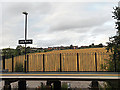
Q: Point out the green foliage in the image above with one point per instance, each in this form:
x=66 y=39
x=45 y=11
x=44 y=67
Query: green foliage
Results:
x=64 y=86
x=20 y=50
x=7 y=52
x=108 y=66
x=18 y=67
x=71 y=46
x=43 y=88
x=113 y=64
x=112 y=85
x=45 y=50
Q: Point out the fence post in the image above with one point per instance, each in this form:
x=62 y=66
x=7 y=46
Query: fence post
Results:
x=27 y=63
x=3 y=58
x=77 y=62
x=60 y=64
x=96 y=61
x=43 y=62
x=12 y=63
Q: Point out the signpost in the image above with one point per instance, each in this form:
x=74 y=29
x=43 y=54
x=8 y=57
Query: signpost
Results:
x=26 y=41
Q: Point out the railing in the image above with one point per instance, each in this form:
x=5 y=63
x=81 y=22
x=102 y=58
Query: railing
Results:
x=59 y=62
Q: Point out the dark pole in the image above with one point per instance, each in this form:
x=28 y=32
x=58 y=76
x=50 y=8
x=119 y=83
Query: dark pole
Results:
x=3 y=58
x=12 y=63
x=25 y=30
x=96 y=61
x=60 y=63
x=43 y=62
x=27 y=63
x=25 y=36
x=77 y=62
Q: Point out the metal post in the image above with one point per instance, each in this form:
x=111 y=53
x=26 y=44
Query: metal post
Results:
x=3 y=58
x=96 y=61
x=77 y=62
x=25 y=32
x=43 y=62
x=60 y=64
x=12 y=63
x=27 y=63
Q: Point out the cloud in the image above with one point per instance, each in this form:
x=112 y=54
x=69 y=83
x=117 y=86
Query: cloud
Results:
x=13 y=20
x=74 y=16
x=75 y=22
x=57 y=23
x=53 y=42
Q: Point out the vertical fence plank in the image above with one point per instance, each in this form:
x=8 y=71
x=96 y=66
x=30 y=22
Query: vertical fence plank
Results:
x=12 y=63
x=35 y=65
x=92 y=61
x=87 y=62
x=114 y=59
x=29 y=62
x=63 y=59
x=99 y=61
x=33 y=62
x=80 y=62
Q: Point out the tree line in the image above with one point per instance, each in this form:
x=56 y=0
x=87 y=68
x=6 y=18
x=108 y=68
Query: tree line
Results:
x=20 y=50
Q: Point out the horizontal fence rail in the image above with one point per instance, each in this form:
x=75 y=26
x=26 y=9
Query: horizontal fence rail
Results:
x=57 y=62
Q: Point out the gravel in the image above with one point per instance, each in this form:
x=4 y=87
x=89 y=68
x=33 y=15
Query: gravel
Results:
x=71 y=84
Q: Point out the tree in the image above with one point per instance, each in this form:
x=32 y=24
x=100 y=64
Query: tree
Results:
x=28 y=49
x=20 y=50
x=100 y=45
x=17 y=51
x=19 y=67
x=71 y=46
x=92 y=45
x=114 y=43
x=113 y=64
x=7 y=52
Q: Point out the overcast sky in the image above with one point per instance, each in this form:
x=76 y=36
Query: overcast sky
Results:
x=58 y=23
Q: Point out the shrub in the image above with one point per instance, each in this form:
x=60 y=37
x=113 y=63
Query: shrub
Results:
x=18 y=67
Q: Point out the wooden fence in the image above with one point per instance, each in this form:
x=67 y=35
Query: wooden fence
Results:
x=59 y=61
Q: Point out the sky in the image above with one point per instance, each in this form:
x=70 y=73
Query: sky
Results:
x=57 y=23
